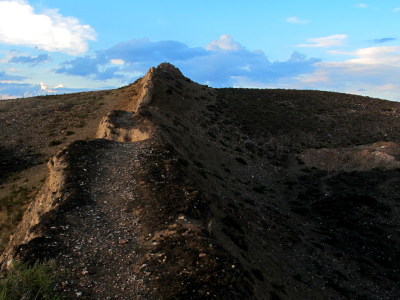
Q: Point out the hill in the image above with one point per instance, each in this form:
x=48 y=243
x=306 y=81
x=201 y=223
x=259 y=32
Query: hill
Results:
x=167 y=189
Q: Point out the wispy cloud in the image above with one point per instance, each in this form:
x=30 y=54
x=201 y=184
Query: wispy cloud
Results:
x=383 y=40
x=49 y=31
x=30 y=60
x=396 y=9
x=362 y=5
x=296 y=20
x=333 y=40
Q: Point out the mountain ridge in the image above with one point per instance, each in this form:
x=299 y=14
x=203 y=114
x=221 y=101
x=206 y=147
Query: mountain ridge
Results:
x=224 y=193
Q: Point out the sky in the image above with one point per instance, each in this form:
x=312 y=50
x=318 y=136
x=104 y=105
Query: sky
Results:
x=58 y=46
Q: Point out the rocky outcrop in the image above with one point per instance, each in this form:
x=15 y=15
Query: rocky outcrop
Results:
x=50 y=197
x=143 y=98
x=123 y=126
x=130 y=124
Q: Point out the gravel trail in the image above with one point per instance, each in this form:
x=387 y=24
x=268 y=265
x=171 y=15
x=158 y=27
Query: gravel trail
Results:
x=101 y=241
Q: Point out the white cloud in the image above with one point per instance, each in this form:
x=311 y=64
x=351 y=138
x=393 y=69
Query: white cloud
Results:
x=296 y=20
x=361 y=5
x=333 y=40
x=225 y=42
x=396 y=9
x=374 y=71
x=46 y=89
x=378 y=55
x=117 y=61
x=50 y=31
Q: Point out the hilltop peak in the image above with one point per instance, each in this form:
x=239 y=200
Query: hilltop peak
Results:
x=170 y=68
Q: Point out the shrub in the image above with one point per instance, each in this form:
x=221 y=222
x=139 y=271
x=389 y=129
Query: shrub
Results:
x=203 y=173
x=259 y=274
x=183 y=161
x=259 y=188
x=198 y=164
x=35 y=282
x=231 y=222
x=12 y=177
x=241 y=160
x=250 y=201
x=54 y=143
x=341 y=274
x=138 y=80
x=69 y=132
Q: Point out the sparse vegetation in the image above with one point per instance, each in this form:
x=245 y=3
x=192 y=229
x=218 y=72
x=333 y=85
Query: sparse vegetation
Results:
x=31 y=282
x=259 y=189
x=241 y=160
x=278 y=198
x=54 y=143
x=259 y=274
x=183 y=161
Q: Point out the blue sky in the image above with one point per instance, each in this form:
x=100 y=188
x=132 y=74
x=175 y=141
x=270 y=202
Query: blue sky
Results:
x=54 y=46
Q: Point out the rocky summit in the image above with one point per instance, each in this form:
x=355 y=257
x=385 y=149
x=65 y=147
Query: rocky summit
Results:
x=169 y=189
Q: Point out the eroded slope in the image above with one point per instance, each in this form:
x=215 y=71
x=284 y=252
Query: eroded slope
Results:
x=232 y=193
x=125 y=220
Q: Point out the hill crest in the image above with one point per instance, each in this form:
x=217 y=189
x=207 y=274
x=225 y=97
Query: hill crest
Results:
x=197 y=192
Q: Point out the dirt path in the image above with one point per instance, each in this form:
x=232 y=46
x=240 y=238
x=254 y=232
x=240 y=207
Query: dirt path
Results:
x=101 y=238
x=134 y=229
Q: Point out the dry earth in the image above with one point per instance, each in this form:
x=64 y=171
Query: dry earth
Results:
x=190 y=192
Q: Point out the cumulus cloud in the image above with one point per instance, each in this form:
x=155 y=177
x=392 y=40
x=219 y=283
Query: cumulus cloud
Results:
x=220 y=63
x=329 y=41
x=50 y=31
x=296 y=20
x=225 y=42
x=383 y=40
x=30 y=60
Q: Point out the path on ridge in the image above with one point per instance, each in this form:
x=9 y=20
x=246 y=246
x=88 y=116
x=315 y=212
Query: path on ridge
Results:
x=101 y=239
x=135 y=232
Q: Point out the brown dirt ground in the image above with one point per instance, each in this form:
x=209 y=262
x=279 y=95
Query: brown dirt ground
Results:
x=234 y=174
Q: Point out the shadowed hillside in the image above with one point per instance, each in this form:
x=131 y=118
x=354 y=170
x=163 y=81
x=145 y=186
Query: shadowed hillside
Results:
x=167 y=189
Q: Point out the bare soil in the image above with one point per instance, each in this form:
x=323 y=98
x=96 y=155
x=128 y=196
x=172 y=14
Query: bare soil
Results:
x=227 y=194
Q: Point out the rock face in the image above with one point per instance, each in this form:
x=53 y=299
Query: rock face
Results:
x=131 y=124
x=147 y=88
x=123 y=126
x=50 y=197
